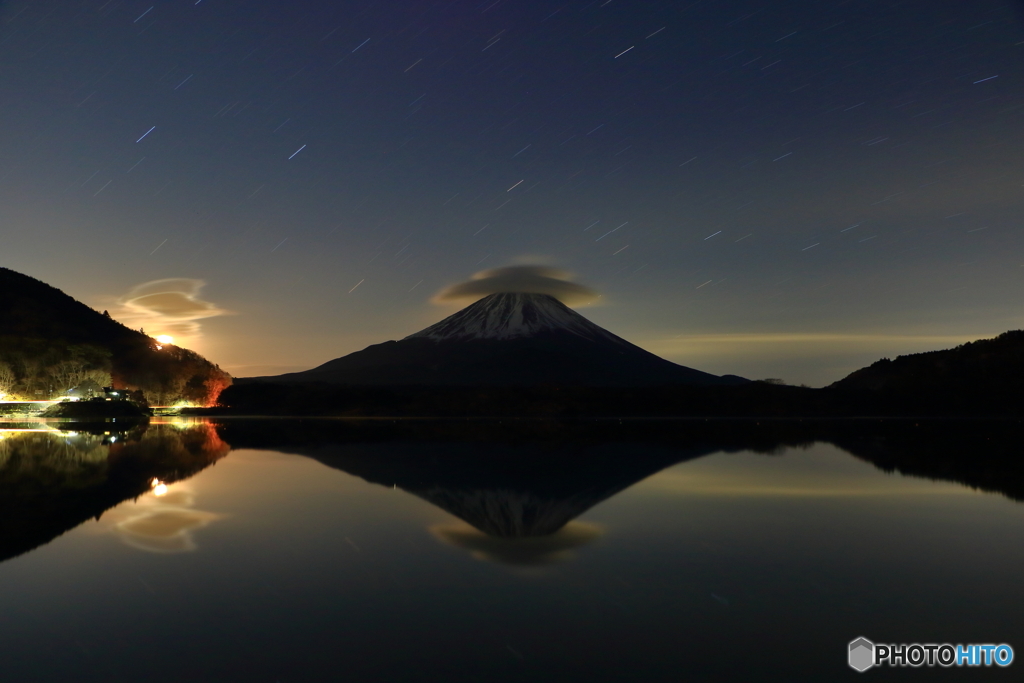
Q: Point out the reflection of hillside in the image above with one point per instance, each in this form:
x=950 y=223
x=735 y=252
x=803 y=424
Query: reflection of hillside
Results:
x=981 y=454
x=52 y=481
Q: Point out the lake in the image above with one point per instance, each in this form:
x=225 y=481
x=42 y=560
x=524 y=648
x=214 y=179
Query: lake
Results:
x=330 y=550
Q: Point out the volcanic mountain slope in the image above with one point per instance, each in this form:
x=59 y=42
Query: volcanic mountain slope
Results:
x=43 y=330
x=507 y=339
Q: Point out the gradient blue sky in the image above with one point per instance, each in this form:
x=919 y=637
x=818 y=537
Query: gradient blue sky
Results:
x=701 y=164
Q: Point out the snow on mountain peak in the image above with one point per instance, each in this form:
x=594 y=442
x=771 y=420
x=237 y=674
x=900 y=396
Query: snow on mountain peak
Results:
x=514 y=315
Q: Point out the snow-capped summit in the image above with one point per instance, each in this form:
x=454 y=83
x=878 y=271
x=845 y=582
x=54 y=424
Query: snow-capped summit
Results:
x=506 y=339
x=514 y=315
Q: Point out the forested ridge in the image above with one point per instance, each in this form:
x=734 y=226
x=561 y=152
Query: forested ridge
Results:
x=50 y=343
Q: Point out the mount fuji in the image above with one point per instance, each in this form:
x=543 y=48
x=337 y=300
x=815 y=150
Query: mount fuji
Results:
x=506 y=339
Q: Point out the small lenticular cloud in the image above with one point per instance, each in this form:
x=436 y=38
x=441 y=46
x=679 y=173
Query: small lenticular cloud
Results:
x=169 y=307
x=526 y=279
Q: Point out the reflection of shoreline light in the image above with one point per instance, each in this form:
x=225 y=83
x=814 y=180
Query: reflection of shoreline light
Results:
x=159 y=488
x=524 y=551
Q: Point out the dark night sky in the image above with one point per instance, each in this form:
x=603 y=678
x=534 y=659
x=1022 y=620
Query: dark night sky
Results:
x=776 y=188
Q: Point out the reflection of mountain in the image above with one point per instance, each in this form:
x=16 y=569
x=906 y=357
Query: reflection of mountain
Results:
x=520 y=499
x=518 y=483
x=522 y=551
x=504 y=490
x=512 y=480
x=52 y=481
x=521 y=479
x=510 y=513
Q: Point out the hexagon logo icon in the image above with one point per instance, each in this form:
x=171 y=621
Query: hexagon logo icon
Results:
x=862 y=654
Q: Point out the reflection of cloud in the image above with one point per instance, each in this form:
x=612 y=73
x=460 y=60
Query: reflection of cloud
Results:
x=171 y=306
x=527 y=279
x=522 y=551
x=165 y=530
x=165 y=524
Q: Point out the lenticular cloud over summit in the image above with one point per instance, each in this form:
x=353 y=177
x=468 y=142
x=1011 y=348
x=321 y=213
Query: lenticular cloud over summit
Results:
x=527 y=279
x=171 y=306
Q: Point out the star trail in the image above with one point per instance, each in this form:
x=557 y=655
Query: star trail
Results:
x=846 y=174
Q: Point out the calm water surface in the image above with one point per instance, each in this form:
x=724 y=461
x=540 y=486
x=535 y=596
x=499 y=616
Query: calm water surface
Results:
x=325 y=551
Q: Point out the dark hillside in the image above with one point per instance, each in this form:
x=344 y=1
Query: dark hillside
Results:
x=986 y=376
x=33 y=309
x=991 y=364
x=50 y=343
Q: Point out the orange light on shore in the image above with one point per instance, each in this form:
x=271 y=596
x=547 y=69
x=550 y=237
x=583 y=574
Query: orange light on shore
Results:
x=165 y=339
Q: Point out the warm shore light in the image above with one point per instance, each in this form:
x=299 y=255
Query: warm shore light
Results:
x=165 y=339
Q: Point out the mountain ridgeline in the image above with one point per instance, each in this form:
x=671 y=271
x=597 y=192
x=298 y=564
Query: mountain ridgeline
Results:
x=976 y=378
x=507 y=354
x=50 y=343
x=996 y=364
x=530 y=355
x=507 y=340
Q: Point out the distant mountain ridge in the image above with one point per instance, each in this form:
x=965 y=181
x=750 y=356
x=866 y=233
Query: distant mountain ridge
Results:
x=506 y=339
x=984 y=378
x=987 y=364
